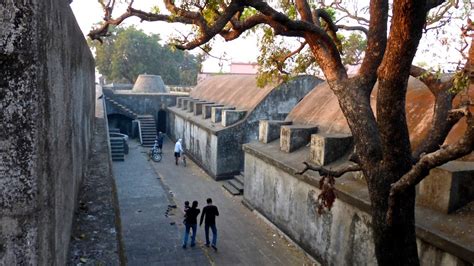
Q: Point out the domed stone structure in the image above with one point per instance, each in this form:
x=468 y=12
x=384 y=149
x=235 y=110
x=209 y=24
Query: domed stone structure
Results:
x=149 y=84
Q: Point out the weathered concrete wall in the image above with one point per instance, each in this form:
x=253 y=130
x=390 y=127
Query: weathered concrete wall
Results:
x=199 y=142
x=340 y=237
x=142 y=103
x=279 y=103
x=218 y=149
x=46 y=112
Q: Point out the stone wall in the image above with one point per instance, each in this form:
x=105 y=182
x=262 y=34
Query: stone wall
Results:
x=200 y=143
x=142 y=103
x=343 y=235
x=218 y=148
x=46 y=115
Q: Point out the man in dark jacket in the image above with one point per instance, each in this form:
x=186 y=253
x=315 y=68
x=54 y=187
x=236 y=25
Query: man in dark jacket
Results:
x=191 y=222
x=210 y=212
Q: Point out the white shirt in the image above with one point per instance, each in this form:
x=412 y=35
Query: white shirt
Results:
x=178 y=147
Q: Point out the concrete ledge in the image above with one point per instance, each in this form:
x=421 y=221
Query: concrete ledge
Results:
x=216 y=113
x=207 y=109
x=269 y=130
x=293 y=137
x=230 y=117
x=448 y=187
x=198 y=107
x=327 y=148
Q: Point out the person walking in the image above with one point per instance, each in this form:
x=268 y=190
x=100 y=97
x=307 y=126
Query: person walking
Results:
x=210 y=212
x=191 y=222
x=178 y=149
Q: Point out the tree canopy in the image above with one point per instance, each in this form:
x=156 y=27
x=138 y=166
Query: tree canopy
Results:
x=129 y=52
x=382 y=143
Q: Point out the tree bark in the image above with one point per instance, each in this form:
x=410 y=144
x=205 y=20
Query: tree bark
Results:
x=395 y=244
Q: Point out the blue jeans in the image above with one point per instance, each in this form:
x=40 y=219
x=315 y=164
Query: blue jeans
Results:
x=186 y=234
x=214 y=233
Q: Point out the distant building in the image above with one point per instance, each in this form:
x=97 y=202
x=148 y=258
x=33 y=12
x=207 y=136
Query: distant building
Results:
x=235 y=68
x=243 y=68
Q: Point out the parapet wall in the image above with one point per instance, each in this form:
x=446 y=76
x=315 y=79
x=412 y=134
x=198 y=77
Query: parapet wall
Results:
x=46 y=111
x=342 y=236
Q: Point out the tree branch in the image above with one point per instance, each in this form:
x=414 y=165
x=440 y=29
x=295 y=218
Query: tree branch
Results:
x=337 y=172
x=376 y=40
x=419 y=171
x=304 y=10
x=322 y=45
x=351 y=28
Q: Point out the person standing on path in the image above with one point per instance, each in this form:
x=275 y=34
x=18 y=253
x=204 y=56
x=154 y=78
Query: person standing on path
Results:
x=210 y=212
x=159 y=139
x=178 y=149
x=191 y=222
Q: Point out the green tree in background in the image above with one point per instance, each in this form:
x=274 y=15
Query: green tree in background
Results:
x=130 y=52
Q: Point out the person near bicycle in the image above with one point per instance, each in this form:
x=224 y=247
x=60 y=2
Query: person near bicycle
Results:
x=178 y=149
x=159 y=140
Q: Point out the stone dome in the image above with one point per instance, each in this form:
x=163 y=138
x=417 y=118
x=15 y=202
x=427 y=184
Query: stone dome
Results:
x=149 y=84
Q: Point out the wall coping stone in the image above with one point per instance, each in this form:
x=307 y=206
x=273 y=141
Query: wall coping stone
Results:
x=269 y=130
x=207 y=109
x=448 y=187
x=293 y=137
x=230 y=117
x=216 y=113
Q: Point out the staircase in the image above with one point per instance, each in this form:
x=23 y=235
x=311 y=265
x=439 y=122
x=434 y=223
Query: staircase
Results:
x=121 y=108
x=235 y=186
x=147 y=130
x=117 y=148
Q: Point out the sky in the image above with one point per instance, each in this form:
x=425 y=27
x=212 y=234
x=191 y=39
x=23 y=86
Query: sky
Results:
x=89 y=12
x=430 y=50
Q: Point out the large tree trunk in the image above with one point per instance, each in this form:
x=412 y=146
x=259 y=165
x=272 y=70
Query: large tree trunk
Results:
x=395 y=244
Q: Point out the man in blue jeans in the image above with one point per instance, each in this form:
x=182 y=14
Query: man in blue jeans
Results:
x=210 y=212
x=191 y=222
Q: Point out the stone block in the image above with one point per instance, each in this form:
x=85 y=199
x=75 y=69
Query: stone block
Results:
x=230 y=117
x=198 y=107
x=190 y=105
x=327 y=148
x=179 y=101
x=186 y=103
x=216 y=113
x=448 y=187
x=293 y=137
x=269 y=130
x=207 y=109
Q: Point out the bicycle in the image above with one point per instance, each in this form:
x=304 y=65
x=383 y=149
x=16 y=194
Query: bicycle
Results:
x=156 y=153
x=184 y=159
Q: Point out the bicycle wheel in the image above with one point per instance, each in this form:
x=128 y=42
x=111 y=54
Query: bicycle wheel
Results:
x=156 y=157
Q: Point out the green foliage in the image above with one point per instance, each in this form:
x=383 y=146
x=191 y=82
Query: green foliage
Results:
x=129 y=52
x=248 y=12
x=155 y=10
x=353 y=48
x=460 y=82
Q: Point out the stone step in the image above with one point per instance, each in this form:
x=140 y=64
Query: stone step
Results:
x=148 y=129
x=237 y=185
x=231 y=189
x=239 y=178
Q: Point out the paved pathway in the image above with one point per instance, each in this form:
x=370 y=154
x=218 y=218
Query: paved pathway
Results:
x=151 y=235
x=145 y=189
